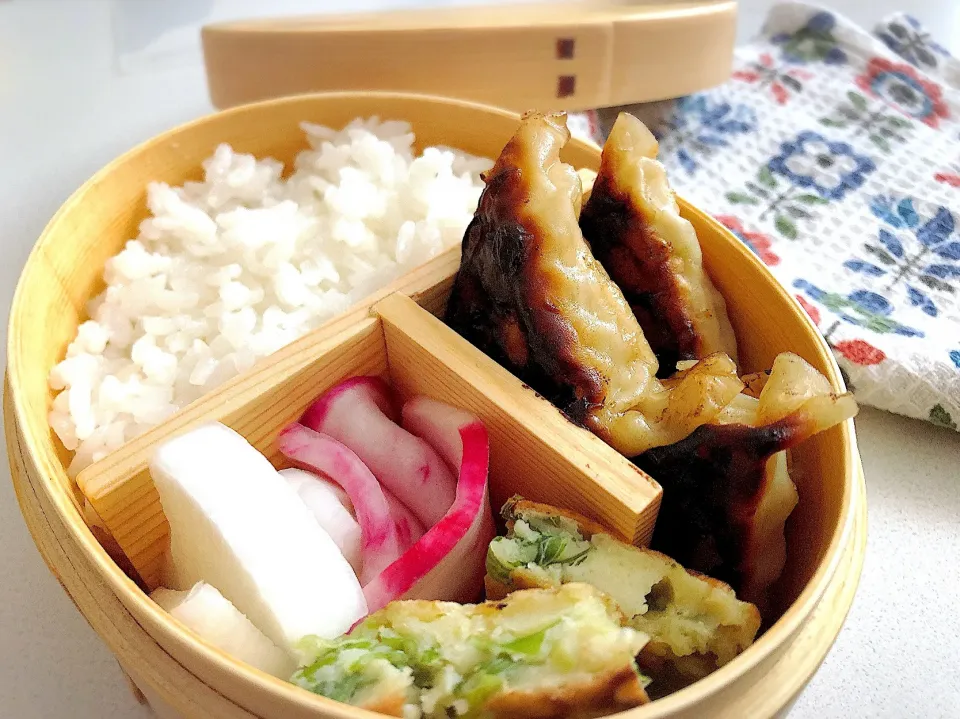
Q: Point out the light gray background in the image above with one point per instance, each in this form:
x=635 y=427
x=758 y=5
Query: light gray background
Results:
x=83 y=80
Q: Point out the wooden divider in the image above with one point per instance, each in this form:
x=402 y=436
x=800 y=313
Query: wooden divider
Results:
x=535 y=450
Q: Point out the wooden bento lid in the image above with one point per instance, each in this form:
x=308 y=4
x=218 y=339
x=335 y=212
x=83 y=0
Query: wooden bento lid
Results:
x=567 y=56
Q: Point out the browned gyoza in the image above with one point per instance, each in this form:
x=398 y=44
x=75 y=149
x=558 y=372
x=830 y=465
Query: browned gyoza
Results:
x=713 y=482
x=524 y=267
x=726 y=489
x=530 y=294
x=635 y=231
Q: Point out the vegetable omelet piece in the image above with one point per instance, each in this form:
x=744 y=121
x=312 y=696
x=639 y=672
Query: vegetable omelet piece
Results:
x=559 y=652
x=695 y=623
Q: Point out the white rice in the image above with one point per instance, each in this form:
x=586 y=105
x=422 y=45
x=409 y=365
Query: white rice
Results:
x=228 y=270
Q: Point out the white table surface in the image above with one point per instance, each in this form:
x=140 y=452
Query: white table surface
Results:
x=76 y=90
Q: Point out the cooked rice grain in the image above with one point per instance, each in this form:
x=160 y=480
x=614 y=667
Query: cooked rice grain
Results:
x=229 y=270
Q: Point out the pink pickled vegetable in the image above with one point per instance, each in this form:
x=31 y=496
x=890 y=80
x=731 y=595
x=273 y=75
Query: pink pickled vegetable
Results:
x=432 y=421
x=409 y=528
x=448 y=561
x=370 y=387
x=380 y=542
x=360 y=414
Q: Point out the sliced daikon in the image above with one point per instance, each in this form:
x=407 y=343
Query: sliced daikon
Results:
x=333 y=510
x=235 y=523
x=208 y=613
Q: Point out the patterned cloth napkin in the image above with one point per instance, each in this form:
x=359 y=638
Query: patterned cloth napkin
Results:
x=833 y=154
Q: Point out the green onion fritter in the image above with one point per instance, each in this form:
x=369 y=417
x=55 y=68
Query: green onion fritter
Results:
x=564 y=646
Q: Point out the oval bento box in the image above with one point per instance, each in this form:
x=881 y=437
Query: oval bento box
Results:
x=169 y=666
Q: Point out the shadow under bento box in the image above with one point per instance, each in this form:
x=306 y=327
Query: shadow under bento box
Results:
x=396 y=334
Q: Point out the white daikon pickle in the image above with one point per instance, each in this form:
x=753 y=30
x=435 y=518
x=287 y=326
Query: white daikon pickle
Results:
x=332 y=508
x=208 y=613
x=237 y=524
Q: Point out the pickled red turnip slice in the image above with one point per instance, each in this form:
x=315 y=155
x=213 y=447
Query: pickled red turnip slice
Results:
x=380 y=541
x=409 y=528
x=448 y=561
x=359 y=413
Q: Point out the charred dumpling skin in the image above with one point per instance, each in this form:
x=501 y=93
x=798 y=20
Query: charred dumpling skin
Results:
x=633 y=225
x=531 y=295
x=529 y=291
x=726 y=490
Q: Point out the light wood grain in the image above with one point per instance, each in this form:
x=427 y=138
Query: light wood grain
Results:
x=824 y=550
x=534 y=450
x=510 y=56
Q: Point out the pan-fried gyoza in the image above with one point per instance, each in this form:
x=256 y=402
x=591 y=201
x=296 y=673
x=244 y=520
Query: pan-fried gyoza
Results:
x=531 y=295
x=635 y=231
x=727 y=492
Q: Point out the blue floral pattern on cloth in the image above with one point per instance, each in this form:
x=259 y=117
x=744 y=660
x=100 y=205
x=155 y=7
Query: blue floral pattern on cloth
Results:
x=813 y=42
x=904 y=35
x=862 y=308
x=831 y=169
x=832 y=152
x=925 y=259
x=700 y=125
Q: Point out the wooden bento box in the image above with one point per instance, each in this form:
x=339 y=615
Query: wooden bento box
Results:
x=395 y=334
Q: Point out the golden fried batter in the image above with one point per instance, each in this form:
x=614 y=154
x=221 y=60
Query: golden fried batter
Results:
x=695 y=623
x=561 y=652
